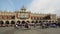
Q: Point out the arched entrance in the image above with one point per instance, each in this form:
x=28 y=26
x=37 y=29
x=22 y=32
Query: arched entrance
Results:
x=28 y=21
x=1 y=23
x=12 y=22
x=32 y=21
x=18 y=22
x=40 y=22
x=36 y=21
x=7 y=23
x=23 y=22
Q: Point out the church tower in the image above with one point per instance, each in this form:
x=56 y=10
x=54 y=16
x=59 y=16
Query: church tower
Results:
x=23 y=9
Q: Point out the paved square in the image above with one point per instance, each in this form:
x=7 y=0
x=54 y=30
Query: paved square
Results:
x=12 y=30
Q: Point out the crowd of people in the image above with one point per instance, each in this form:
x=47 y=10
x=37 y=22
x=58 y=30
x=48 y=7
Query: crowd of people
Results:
x=25 y=25
x=43 y=25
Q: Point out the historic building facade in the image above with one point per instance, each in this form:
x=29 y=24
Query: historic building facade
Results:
x=22 y=16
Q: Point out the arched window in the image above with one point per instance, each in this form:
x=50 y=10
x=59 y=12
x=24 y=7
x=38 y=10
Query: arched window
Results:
x=34 y=18
x=13 y=17
x=37 y=18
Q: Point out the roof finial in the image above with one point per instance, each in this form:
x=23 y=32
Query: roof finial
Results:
x=23 y=8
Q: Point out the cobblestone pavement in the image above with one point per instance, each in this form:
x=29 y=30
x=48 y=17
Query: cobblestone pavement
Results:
x=7 y=30
x=12 y=30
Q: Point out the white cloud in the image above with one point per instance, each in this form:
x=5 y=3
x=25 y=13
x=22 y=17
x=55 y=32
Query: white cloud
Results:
x=45 y=6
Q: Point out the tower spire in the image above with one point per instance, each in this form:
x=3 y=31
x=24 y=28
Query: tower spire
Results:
x=23 y=9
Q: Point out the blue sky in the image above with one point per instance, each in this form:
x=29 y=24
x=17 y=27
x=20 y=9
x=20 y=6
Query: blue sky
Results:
x=13 y=5
x=34 y=6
